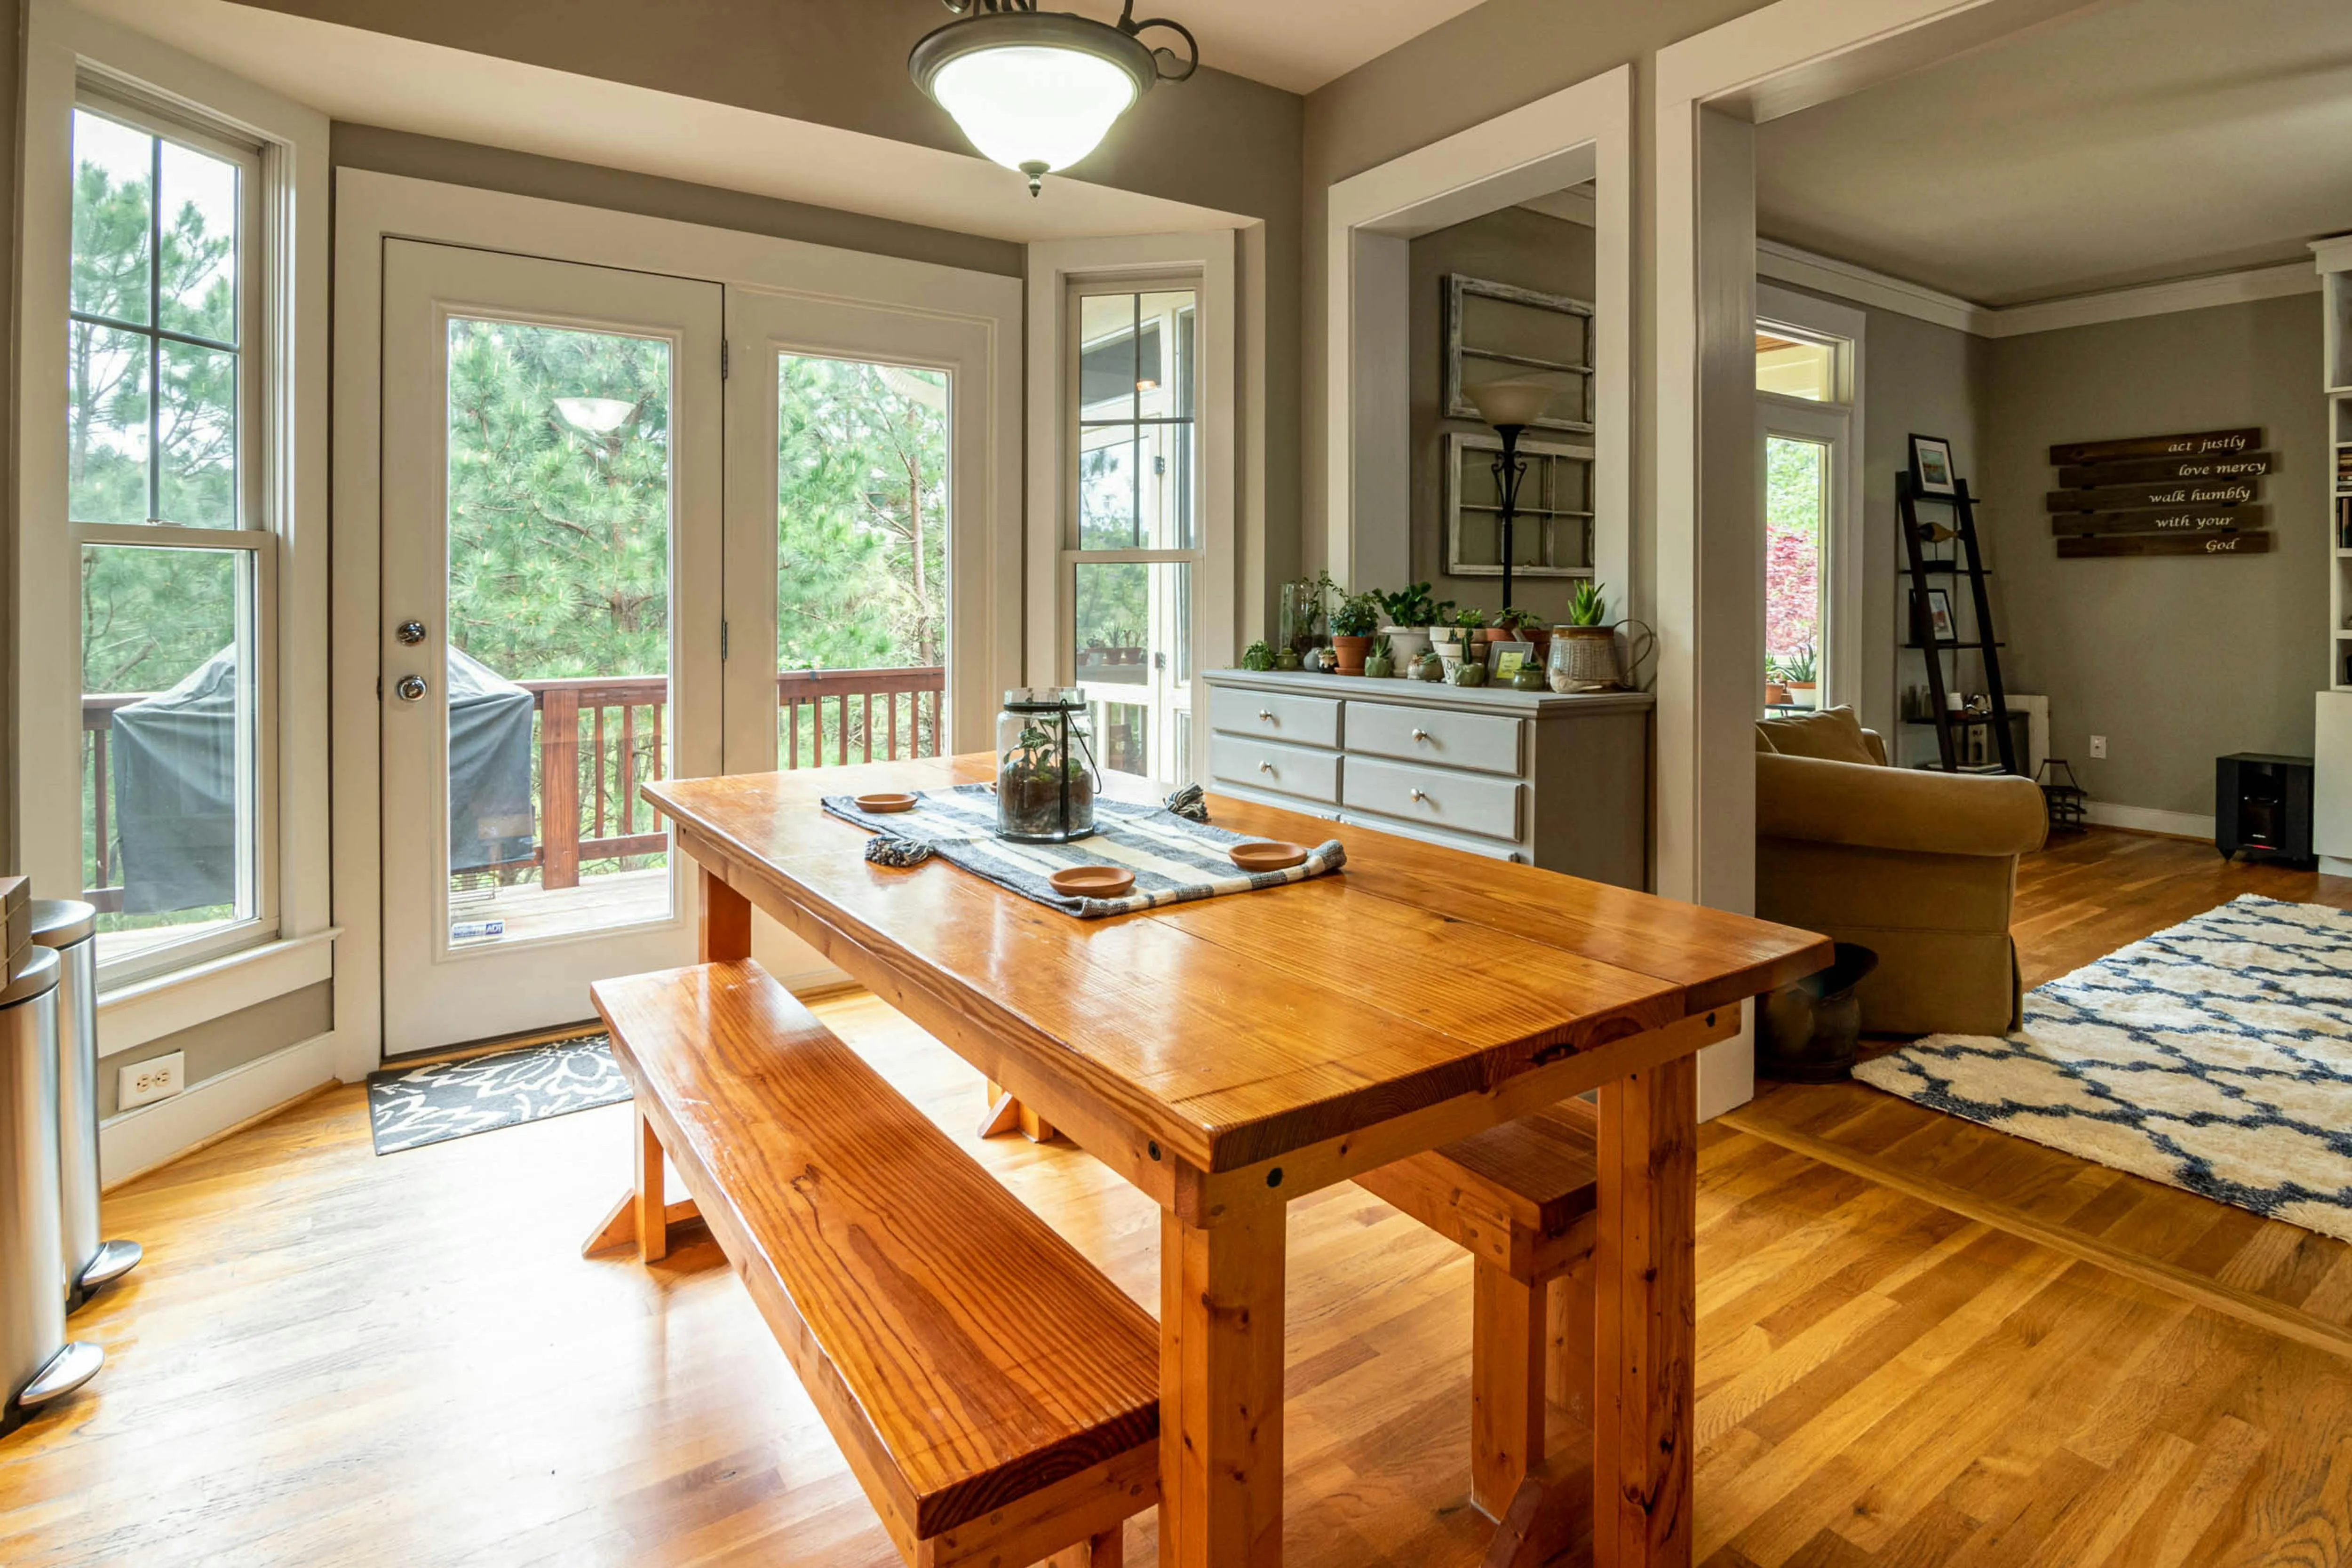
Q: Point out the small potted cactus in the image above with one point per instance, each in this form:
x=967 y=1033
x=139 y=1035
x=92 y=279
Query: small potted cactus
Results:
x=1380 y=663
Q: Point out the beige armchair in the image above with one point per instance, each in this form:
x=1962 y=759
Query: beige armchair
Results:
x=1920 y=868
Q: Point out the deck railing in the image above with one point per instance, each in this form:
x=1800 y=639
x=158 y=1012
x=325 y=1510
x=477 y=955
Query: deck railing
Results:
x=598 y=738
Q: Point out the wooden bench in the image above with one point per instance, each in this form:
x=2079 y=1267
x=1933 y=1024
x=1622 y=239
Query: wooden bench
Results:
x=1520 y=1197
x=997 y=1398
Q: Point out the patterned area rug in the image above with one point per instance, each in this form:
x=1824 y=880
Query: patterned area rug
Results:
x=2214 y=1057
x=409 y=1108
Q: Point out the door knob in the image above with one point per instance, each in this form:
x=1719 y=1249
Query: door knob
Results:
x=411 y=632
x=409 y=688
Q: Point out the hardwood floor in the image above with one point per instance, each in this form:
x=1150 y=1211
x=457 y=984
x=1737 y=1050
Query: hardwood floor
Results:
x=1965 y=1356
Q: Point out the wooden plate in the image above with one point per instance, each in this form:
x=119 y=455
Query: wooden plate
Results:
x=886 y=803
x=1093 y=882
x=1269 y=854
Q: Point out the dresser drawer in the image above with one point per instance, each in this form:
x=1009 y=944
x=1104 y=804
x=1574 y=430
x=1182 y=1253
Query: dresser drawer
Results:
x=1488 y=742
x=1493 y=849
x=1301 y=720
x=1435 y=797
x=1271 y=766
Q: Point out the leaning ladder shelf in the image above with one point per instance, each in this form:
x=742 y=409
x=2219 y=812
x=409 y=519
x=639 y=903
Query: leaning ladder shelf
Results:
x=1967 y=563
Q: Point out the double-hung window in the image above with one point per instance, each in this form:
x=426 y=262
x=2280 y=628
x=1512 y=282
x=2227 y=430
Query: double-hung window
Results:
x=1132 y=548
x=169 y=518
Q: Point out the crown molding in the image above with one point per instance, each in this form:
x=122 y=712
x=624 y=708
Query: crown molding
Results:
x=1827 y=275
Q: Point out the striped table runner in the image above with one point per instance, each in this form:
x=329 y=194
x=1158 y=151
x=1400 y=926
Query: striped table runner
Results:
x=1173 y=860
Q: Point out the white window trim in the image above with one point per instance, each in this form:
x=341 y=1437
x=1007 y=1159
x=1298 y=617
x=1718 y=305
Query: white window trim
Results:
x=1231 y=511
x=66 y=47
x=1840 y=422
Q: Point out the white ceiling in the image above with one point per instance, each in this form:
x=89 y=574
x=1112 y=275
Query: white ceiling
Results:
x=376 y=79
x=1296 y=45
x=2129 y=144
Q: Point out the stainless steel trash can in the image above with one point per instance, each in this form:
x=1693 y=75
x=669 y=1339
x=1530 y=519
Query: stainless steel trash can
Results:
x=36 y=1365
x=71 y=927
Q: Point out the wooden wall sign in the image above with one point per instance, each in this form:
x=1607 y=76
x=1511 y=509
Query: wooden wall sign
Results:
x=2194 y=519
x=2199 y=444
x=2078 y=545
x=2193 y=494
x=2156 y=470
x=2131 y=497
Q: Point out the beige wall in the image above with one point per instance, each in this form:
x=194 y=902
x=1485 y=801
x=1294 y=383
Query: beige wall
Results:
x=1513 y=246
x=2177 y=659
x=1504 y=54
x=12 y=25
x=386 y=152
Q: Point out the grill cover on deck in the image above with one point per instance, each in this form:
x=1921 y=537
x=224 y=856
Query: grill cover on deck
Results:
x=174 y=767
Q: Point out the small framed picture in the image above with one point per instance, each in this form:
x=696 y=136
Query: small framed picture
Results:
x=1504 y=659
x=1932 y=473
x=1940 y=615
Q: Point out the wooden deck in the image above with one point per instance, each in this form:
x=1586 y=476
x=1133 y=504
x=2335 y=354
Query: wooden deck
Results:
x=533 y=913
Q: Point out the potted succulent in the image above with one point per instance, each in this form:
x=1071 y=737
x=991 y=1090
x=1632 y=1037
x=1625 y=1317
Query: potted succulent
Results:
x=1797 y=670
x=1430 y=666
x=1412 y=613
x=1258 y=657
x=1380 y=663
x=1470 y=672
x=1589 y=662
x=1776 y=690
x=1287 y=658
x=1353 y=622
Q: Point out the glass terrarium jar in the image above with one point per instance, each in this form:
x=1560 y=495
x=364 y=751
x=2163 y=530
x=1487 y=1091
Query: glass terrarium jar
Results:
x=1045 y=776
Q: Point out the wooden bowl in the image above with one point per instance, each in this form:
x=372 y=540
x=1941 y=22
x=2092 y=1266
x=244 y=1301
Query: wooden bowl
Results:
x=1092 y=882
x=886 y=803
x=1269 y=854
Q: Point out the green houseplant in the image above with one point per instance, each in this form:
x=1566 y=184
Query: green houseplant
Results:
x=1588 y=663
x=1353 y=621
x=1412 y=613
x=1380 y=663
x=1799 y=671
x=1259 y=657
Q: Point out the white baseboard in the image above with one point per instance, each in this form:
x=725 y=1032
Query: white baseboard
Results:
x=136 y=1141
x=2329 y=865
x=2145 y=819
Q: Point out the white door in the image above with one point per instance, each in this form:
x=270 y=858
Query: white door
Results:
x=860 y=626
x=551 y=628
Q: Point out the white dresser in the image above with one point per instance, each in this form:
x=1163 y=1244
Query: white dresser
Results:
x=1558 y=782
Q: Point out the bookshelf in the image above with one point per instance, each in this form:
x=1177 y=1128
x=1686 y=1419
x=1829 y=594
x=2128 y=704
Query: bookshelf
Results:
x=2332 y=732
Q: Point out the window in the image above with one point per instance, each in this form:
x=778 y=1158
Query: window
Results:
x=176 y=558
x=1807 y=370
x=1132 y=546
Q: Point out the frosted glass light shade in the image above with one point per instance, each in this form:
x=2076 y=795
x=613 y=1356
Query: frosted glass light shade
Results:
x=596 y=416
x=1512 y=400
x=1033 y=107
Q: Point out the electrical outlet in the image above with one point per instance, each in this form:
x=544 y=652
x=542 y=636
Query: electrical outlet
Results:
x=157 y=1077
x=2098 y=745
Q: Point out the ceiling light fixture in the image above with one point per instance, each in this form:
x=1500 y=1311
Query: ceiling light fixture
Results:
x=1036 y=91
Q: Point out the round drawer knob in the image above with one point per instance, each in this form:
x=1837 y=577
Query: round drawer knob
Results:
x=1265 y=715
x=1420 y=734
x=1417 y=794
x=1266 y=767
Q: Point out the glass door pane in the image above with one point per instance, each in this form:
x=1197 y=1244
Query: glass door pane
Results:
x=1796 y=533
x=863 y=526
x=1134 y=661
x=559 y=651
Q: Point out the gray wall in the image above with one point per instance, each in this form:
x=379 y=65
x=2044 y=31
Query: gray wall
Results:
x=1513 y=246
x=2177 y=660
x=231 y=1040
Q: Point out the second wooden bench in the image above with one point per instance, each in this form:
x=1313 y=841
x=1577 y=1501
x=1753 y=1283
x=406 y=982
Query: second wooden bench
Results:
x=997 y=1398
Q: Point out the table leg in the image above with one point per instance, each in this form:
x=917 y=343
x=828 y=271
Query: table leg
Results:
x=1006 y=1112
x=1221 y=1313
x=726 y=921
x=1645 y=1315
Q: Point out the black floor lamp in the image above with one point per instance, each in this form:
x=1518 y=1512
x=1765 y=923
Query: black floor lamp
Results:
x=1510 y=405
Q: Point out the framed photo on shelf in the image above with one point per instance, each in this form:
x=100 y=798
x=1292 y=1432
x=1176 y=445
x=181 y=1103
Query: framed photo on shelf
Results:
x=1932 y=471
x=1504 y=659
x=1940 y=615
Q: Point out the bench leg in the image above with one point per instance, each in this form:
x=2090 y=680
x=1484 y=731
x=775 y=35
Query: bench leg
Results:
x=653 y=1212
x=1507 y=1331
x=1006 y=1113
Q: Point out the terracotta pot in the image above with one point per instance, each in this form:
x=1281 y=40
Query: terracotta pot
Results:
x=1351 y=652
x=1776 y=695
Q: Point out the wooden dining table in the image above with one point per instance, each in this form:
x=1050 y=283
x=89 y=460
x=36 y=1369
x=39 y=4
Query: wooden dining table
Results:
x=1228 y=1055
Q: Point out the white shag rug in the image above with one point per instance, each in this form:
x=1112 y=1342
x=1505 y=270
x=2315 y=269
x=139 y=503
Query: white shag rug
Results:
x=2215 y=1057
